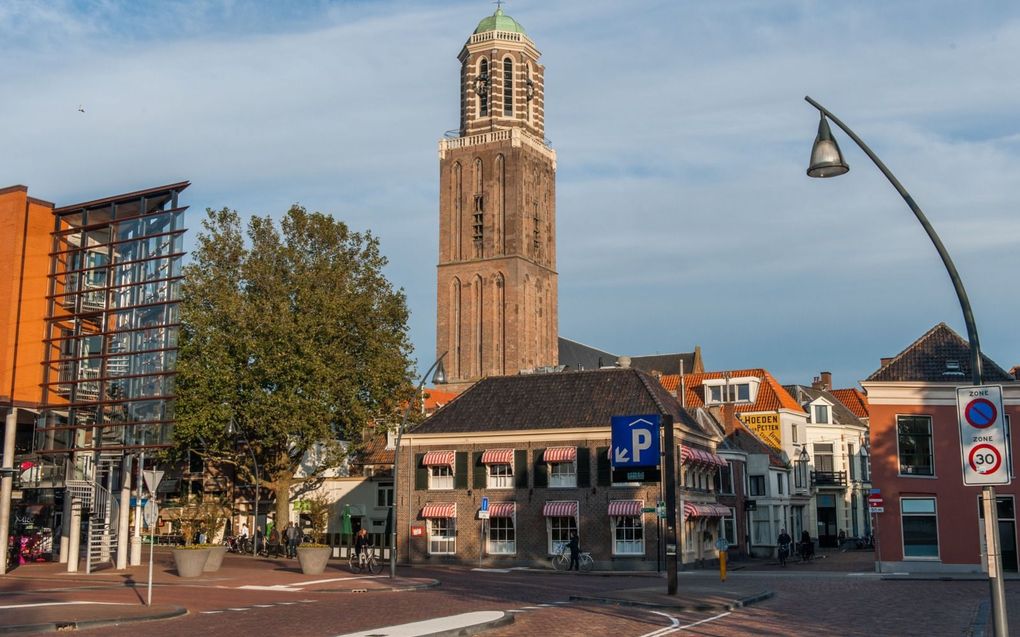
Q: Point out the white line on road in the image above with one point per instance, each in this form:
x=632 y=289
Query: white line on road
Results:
x=239 y=609
x=443 y=625
x=211 y=612
x=37 y=604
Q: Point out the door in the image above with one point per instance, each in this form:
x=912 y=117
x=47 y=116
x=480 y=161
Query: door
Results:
x=827 y=531
x=1006 y=510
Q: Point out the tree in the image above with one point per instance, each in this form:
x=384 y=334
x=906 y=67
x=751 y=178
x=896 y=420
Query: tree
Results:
x=296 y=338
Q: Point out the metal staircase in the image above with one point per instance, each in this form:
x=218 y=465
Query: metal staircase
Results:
x=100 y=509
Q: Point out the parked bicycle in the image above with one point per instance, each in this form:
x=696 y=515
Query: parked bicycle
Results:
x=561 y=561
x=364 y=561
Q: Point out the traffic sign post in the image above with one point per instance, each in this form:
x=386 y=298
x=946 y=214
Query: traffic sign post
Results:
x=983 y=445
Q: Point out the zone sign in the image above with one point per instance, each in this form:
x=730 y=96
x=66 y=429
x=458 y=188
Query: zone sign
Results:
x=983 y=442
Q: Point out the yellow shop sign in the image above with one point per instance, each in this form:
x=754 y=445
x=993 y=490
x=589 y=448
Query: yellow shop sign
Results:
x=766 y=426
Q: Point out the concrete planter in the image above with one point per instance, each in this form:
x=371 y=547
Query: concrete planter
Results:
x=313 y=559
x=190 y=562
x=215 y=560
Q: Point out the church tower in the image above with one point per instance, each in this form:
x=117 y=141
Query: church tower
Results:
x=497 y=293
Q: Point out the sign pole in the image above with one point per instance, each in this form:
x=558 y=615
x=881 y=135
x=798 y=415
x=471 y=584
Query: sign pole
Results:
x=669 y=469
x=994 y=561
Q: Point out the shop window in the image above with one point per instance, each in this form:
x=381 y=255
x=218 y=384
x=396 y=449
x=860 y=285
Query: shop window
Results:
x=628 y=533
x=502 y=536
x=442 y=536
x=920 y=528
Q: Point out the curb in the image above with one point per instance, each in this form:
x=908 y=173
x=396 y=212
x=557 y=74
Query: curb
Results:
x=507 y=618
x=60 y=626
x=740 y=603
x=394 y=589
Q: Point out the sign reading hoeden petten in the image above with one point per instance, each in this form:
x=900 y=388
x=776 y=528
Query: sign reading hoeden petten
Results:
x=983 y=441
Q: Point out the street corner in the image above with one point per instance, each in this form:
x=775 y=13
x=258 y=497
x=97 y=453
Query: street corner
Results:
x=687 y=599
x=55 y=616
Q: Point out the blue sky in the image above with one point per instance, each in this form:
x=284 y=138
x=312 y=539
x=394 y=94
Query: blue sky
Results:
x=684 y=215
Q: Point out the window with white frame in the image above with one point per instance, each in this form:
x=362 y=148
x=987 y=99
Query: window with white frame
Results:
x=728 y=528
x=724 y=480
x=821 y=414
x=502 y=536
x=916 y=450
x=442 y=536
x=384 y=496
x=559 y=530
x=730 y=391
x=780 y=483
x=920 y=528
x=762 y=526
x=628 y=535
x=757 y=486
x=501 y=476
x=563 y=474
x=440 y=477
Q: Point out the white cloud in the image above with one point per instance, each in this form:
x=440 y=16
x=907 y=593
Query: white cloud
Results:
x=682 y=140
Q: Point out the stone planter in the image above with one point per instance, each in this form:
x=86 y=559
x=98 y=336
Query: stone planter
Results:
x=216 y=554
x=313 y=558
x=190 y=562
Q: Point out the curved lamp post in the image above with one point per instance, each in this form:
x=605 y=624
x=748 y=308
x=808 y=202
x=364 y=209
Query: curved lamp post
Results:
x=231 y=430
x=827 y=161
x=438 y=378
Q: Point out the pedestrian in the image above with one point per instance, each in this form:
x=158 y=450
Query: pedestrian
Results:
x=293 y=536
x=244 y=530
x=784 y=541
x=274 y=543
x=807 y=548
x=575 y=552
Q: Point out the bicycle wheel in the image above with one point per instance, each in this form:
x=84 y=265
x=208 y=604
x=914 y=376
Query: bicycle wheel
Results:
x=586 y=563
x=352 y=562
x=560 y=562
x=374 y=566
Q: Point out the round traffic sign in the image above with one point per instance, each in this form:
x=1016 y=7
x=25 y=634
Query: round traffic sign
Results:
x=985 y=459
x=980 y=413
x=875 y=500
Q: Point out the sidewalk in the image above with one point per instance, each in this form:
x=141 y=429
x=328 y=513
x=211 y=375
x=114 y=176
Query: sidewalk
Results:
x=723 y=596
x=44 y=597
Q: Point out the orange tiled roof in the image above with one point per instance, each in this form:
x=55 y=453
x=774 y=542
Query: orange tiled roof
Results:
x=853 y=399
x=771 y=395
x=435 y=398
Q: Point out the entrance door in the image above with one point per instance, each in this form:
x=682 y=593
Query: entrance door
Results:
x=827 y=531
x=1006 y=509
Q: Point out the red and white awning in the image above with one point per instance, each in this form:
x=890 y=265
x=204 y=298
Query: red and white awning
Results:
x=498 y=456
x=501 y=509
x=699 y=456
x=624 y=508
x=438 y=459
x=560 y=454
x=560 y=509
x=439 y=510
x=705 y=510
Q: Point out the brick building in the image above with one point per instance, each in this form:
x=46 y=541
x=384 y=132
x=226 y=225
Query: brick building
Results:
x=931 y=520
x=497 y=282
x=537 y=446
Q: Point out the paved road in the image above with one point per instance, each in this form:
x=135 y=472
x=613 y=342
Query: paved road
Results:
x=807 y=601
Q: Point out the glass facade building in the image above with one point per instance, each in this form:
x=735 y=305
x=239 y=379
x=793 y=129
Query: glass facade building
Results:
x=112 y=324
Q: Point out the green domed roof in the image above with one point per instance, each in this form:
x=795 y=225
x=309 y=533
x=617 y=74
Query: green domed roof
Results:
x=499 y=21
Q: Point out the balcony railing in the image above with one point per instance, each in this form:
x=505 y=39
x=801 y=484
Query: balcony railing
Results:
x=828 y=478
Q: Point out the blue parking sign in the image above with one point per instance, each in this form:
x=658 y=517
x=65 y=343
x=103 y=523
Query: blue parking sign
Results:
x=635 y=441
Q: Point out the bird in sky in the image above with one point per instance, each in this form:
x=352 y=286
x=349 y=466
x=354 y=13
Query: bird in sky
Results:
x=81 y=109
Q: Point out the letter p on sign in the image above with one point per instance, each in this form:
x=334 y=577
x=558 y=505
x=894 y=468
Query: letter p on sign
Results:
x=641 y=439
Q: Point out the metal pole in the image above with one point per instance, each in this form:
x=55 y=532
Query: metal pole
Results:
x=255 y=526
x=74 y=540
x=7 y=486
x=998 y=594
x=669 y=475
x=396 y=464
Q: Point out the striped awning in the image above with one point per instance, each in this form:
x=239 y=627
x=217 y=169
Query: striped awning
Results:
x=501 y=509
x=705 y=510
x=560 y=509
x=439 y=510
x=498 y=456
x=438 y=458
x=560 y=454
x=624 y=508
x=699 y=456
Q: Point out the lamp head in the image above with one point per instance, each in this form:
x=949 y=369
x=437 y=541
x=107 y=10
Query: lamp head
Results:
x=804 y=457
x=826 y=159
x=439 y=377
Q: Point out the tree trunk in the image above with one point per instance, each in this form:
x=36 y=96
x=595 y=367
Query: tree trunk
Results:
x=281 y=488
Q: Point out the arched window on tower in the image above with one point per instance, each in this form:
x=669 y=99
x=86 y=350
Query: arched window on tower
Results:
x=499 y=220
x=508 y=87
x=499 y=323
x=478 y=227
x=455 y=328
x=456 y=223
x=529 y=94
x=479 y=333
x=482 y=87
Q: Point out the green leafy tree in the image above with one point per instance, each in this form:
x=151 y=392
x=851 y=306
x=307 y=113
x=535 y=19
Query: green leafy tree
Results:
x=294 y=336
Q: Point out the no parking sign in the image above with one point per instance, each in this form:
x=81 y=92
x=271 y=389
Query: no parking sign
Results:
x=983 y=443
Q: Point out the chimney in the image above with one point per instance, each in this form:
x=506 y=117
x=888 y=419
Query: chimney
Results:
x=624 y=362
x=816 y=382
x=826 y=381
x=728 y=418
x=886 y=360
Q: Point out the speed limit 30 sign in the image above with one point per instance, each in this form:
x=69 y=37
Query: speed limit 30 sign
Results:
x=983 y=440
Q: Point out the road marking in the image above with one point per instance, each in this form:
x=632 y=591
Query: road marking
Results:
x=674 y=622
x=531 y=607
x=452 y=624
x=239 y=609
x=211 y=612
x=491 y=570
x=274 y=587
x=37 y=604
x=263 y=605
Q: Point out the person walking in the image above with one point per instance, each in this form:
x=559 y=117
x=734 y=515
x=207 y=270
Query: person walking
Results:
x=575 y=552
x=784 y=541
x=807 y=547
x=293 y=536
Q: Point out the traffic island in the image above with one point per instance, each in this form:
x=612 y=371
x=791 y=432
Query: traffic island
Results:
x=698 y=598
x=48 y=617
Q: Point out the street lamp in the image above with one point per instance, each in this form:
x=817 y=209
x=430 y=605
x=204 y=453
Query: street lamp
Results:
x=231 y=430
x=827 y=161
x=439 y=378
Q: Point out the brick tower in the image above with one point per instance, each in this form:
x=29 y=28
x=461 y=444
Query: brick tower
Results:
x=497 y=213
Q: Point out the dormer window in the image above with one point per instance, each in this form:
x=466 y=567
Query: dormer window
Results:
x=720 y=391
x=821 y=414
